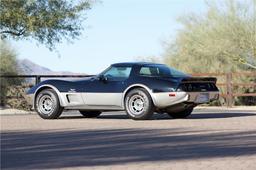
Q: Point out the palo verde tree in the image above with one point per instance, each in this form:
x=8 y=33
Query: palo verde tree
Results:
x=46 y=21
x=221 y=40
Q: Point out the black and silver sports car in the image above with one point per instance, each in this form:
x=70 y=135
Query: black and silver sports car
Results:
x=138 y=88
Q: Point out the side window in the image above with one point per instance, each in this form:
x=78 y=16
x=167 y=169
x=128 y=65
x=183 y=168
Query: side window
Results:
x=145 y=71
x=118 y=73
x=149 y=71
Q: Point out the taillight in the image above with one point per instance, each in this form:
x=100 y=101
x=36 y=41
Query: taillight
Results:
x=172 y=94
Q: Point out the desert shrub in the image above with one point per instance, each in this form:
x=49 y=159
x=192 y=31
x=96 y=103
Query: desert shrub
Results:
x=16 y=97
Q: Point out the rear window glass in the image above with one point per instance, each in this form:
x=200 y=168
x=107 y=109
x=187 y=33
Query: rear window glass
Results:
x=160 y=71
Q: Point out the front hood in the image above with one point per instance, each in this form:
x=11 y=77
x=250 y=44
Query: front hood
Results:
x=77 y=80
x=61 y=85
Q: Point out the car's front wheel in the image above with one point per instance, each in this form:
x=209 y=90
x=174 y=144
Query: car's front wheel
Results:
x=90 y=114
x=47 y=104
x=139 y=105
x=181 y=114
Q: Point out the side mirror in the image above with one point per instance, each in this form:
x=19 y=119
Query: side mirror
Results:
x=103 y=78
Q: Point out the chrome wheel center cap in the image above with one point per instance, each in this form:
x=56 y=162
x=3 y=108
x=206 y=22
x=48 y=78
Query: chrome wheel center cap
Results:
x=138 y=104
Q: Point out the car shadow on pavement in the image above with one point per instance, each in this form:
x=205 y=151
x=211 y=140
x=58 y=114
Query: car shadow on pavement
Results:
x=86 y=148
x=219 y=115
x=194 y=115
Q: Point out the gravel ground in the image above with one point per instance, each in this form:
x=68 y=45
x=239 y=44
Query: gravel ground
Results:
x=212 y=138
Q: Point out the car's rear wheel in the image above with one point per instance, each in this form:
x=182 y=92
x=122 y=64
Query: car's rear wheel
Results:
x=47 y=104
x=181 y=114
x=139 y=105
x=90 y=114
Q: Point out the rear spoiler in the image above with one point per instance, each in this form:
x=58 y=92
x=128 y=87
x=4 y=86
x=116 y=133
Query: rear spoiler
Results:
x=199 y=80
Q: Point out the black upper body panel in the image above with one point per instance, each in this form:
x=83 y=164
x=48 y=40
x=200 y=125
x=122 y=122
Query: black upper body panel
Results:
x=94 y=84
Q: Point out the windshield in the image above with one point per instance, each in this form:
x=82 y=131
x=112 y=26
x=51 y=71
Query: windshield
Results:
x=117 y=72
x=160 y=71
x=121 y=72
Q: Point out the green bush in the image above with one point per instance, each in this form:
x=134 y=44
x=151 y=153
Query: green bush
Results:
x=8 y=66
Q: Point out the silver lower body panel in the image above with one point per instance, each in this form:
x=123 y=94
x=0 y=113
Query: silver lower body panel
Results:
x=115 y=101
x=92 y=101
x=162 y=100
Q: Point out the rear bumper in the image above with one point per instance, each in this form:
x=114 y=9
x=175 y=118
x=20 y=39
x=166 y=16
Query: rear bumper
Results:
x=193 y=96
x=166 y=99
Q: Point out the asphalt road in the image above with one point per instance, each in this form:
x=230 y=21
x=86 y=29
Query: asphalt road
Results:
x=209 y=139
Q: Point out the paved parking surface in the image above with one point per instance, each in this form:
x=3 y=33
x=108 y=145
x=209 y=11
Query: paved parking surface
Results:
x=209 y=139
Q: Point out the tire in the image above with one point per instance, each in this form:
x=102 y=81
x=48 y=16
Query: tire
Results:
x=139 y=105
x=47 y=104
x=182 y=114
x=90 y=114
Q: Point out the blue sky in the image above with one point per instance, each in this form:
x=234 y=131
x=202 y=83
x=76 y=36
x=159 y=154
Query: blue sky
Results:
x=115 y=31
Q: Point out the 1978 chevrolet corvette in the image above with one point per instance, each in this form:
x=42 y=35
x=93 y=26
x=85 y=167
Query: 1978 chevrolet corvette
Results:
x=138 y=88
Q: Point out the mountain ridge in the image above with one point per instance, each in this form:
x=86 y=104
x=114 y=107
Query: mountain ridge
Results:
x=27 y=67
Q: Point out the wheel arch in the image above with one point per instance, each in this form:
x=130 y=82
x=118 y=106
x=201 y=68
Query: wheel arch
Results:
x=135 y=86
x=47 y=86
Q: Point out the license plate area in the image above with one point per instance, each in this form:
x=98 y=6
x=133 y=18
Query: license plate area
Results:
x=202 y=98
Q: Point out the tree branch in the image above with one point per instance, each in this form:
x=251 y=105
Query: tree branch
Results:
x=21 y=32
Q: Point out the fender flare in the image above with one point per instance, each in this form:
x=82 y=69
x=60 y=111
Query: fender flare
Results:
x=51 y=87
x=138 y=86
